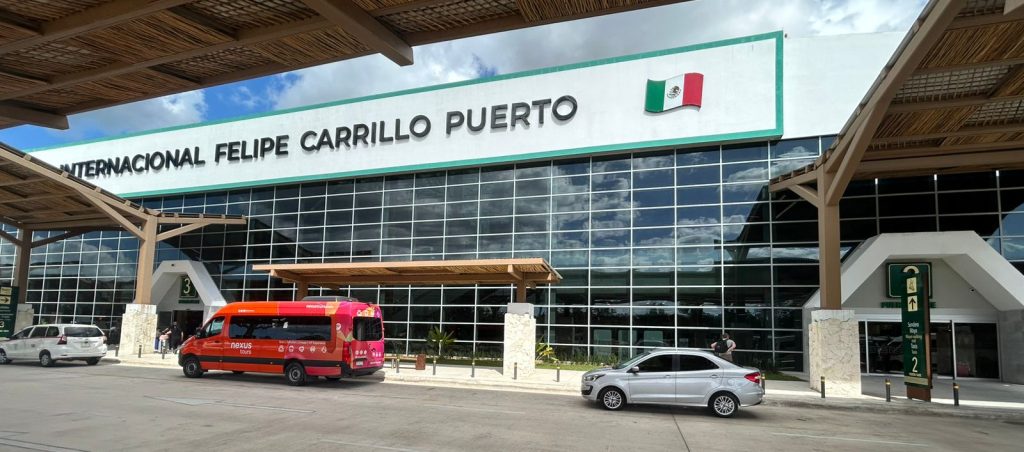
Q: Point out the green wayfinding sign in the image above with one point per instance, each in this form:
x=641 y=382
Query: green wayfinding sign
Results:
x=914 y=309
x=188 y=293
x=8 y=311
x=895 y=277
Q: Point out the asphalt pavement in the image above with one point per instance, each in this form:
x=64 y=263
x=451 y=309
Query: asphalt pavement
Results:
x=114 y=407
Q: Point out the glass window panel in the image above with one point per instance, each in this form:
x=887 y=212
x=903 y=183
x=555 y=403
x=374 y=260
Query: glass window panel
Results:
x=648 y=338
x=654 y=237
x=653 y=198
x=610 y=200
x=611 y=163
x=918 y=224
x=570 y=167
x=699 y=175
x=365 y=184
x=498 y=173
x=571 y=203
x=748 y=318
x=747 y=275
x=857 y=229
x=311 y=235
x=430 y=179
x=796 y=275
x=985 y=225
x=967 y=181
x=463 y=193
x=781 y=167
x=397 y=214
x=569 y=259
x=610 y=182
x=609 y=316
x=466 y=176
x=366 y=247
x=795 y=232
x=311 y=219
x=610 y=238
x=653 y=217
x=1013 y=224
x=339 y=217
x=699 y=235
x=401 y=246
x=337 y=187
x=568 y=296
x=653 y=256
x=527 y=206
x=460 y=244
x=791 y=319
x=397 y=230
x=609 y=258
x=745 y=172
x=699 y=296
x=906 y=185
x=748 y=254
x=496 y=190
x=533 y=187
x=699 y=255
x=286 y=221
x=698 y=156
x=339 y=202
x=563 y=240
x=398 y=197
x=1012 y=200
x=495 y=243
x=429 y=195
x=752 y=340
x=744 y=213
x=609 y=296
x=495 y=225
x=804 y=147
x=533 y=170
x=532 y=223
x=689 y=196
x=857 y=207
x=427 y=245
x=462 y=209
x=428 y=228
x=575 y=184
x=744 y=192
x=687 y=216
x=531 y=241
x=653 y=160
x=697 y=338
x=372 y=199
x=654 y=178
x=699 y=317
x=969 y=202
x=398 y=182
x=793 y=297
x=366 y=216
x=461 y=227
x=745 y=152
x=699 y=276
x=429 y=212
x=613 y=219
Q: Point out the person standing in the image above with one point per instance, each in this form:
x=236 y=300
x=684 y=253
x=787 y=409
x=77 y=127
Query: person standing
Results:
x=175 y=337
x=724 y=347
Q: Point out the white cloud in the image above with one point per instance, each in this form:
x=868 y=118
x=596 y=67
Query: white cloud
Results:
x=177 y=109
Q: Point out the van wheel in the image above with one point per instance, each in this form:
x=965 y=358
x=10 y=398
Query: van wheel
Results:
x=612 y=399
x=45 y=360
x=3 y=357
x=296 y=374
x=724 y=404
x=92 y=361
x=191 y=367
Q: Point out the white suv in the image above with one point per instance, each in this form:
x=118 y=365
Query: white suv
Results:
x=50 y=343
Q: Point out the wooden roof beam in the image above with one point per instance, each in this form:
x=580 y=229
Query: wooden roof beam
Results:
x=968 y=101
x=102 y=16
x=963 y=132
x=357 y=22
x=938 y=163
x=18 y=22
x=32 y=116
x=1013 y=7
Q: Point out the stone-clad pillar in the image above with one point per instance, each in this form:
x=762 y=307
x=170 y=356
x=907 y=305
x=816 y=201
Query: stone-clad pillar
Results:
x=26 y=316
x=138 y=327
x=520 y=339
x=834 y=352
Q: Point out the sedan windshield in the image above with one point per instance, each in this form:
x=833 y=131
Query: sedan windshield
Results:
x=631 y=362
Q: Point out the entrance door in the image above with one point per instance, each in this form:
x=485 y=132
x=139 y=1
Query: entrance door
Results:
x=188 y=321
x=975 y=353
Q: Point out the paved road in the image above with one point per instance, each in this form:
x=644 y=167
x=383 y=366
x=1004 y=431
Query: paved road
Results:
x=110 y=407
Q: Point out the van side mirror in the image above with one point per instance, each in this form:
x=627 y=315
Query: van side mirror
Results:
x=635 y=370
x=199 y=334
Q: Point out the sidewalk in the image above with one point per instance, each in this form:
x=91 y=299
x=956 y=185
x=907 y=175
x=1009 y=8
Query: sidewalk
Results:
x=778 y=393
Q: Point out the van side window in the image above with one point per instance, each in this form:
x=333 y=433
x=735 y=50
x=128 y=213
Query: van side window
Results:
x=52 y=331
x=22 y=334
x=290 y=328
x=241 y=327
x=39 y=331
x=215 y=327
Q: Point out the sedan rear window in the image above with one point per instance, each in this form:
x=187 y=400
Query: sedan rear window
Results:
x=82 y=331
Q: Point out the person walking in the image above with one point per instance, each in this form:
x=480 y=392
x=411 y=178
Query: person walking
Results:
x=724 y=347
x=175 y=337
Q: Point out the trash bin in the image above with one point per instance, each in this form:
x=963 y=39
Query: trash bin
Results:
x=421 y=361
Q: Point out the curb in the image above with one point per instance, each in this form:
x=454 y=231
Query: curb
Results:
x=896 y=407
x=488 y=384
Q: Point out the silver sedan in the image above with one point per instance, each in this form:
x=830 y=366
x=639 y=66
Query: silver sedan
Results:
x=675 y=377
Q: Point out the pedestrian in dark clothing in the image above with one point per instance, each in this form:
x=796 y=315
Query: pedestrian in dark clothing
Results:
x=175 y=339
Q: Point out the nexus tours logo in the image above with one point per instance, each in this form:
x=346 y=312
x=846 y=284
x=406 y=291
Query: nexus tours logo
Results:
x=680 y=91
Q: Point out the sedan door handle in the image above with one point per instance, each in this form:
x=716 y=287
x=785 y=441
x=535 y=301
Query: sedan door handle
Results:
x=714 y=376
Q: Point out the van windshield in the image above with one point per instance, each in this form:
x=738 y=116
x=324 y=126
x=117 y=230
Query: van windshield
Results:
x=82 y=331
x=631 y=362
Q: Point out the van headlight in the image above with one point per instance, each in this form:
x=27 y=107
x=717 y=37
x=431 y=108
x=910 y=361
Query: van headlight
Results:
x=592 y=377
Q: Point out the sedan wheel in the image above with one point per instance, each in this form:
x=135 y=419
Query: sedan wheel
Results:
x=613 y=399
x=3 y=357
x=724 y=405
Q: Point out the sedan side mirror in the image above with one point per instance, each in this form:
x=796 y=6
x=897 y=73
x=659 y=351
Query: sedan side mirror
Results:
x=635 y=370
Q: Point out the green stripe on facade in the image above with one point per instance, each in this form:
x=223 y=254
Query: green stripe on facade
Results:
x=655 y=102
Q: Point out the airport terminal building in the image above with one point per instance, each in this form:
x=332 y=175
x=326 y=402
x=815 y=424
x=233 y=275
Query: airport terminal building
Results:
x=641 y=179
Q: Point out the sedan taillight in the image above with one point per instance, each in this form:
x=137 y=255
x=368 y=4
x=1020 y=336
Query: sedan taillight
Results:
x=63 y=340
x=754 y=377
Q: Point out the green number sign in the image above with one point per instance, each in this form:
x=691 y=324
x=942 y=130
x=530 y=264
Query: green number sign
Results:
x=914 y=310
x=188 y=291
x=8 y=311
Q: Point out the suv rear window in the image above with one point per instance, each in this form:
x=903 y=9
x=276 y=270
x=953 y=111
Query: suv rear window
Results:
x=82 y=331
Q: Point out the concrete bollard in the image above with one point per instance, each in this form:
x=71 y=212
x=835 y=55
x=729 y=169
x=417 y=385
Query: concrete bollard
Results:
x=116 y=349
x=558 y=374
x=515 y=371
x=140 y=351
x=163 y=352
x=435 y=366
x=956 y=394
x=472 y=369
x=398 y=366
x=764 y=385
x=888 y=390
x=823 y=386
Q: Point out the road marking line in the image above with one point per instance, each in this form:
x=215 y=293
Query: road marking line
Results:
x=198 y=402
x=852 y=439
x=367 y=445
x=474 y=409
x=35 y=446
x=273 y=408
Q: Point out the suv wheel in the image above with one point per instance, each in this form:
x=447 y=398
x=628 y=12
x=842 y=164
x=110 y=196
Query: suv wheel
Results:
x=45 y=360
x=724 y=404
x=296 y=374
x=92 y=361
x=3 y=357
x=612 y=399
x=191 y=367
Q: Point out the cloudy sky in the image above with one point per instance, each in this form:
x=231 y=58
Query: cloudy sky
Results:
x=620 y=34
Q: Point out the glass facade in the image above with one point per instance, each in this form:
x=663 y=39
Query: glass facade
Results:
x=663 y=247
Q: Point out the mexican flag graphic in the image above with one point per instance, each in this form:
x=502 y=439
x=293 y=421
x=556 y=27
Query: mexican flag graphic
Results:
x=678 y=91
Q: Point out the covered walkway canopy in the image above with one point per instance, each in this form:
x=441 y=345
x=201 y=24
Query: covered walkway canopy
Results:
x=59 y=57
x=950 y=100
x=521 y=272
x=37 y=197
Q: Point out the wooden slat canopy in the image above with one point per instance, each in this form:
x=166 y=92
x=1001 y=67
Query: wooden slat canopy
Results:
x=59 y=57
x=522 y=273
x=950 y=100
